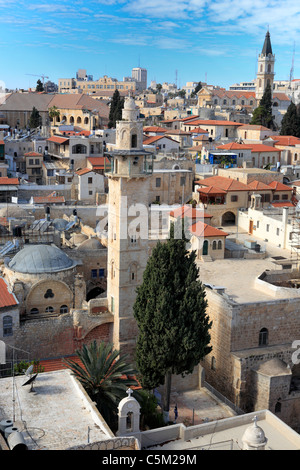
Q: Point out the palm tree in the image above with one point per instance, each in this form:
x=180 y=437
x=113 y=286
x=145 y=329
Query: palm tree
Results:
x=105 y=376
x=54 y=113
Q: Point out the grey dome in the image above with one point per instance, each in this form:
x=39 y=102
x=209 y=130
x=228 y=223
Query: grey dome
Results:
x=60 y=224
x=40 y=259
x=90 y=244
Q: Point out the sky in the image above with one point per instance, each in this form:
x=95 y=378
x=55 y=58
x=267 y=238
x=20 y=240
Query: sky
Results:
x=177 y=41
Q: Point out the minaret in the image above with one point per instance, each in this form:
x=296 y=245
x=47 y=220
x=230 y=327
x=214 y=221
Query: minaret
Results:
x=128 y=208
x=265 y=72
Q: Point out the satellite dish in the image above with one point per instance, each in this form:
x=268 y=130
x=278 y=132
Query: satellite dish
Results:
x=29 y=370
x=30 y=381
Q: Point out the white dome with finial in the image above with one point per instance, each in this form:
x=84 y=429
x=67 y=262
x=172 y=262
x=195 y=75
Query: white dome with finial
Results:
x=254 y=437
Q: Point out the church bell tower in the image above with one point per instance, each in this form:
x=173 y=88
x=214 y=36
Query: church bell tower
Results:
x=128 y=209
x=265 y=72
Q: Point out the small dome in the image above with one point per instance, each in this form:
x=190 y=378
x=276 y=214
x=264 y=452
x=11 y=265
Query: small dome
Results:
x=254 y=436
x=274 y=366
x=90 y=244
x=35 y=259
x=129 y=103
x=60 y=224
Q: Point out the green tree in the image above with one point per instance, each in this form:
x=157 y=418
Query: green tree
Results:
x=290 y=124
x=116 y=106
x=39 y=86
x=170 y=310
x=198 y=88
x=159 y=87
x=35 y=119
x=54 y=113
x=262 y=115
x=105 y=376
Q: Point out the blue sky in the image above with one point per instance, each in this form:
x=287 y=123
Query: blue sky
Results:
x=216 y=39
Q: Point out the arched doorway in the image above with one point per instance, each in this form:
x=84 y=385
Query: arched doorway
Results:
x=228 y=218
x=94 y=292
x=205 y=248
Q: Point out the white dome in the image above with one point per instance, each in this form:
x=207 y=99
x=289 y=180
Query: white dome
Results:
x=254 y=436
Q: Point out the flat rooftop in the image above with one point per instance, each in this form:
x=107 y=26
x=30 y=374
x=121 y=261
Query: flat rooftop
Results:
x=56 y=415
x=238 y=276
x=226 y=434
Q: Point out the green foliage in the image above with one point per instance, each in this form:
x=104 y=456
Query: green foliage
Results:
x=22 y=366
x=54 y=112
x=262 y=115
x=170 y=310
x=198 y=88
x=116 y=106
x=105 y=376
x=35 y=119
x=39 y=86
x=151 y=417
x=290 y=124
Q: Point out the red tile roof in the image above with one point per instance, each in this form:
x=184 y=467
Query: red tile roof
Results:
x=48 y=199
x=83 y=171
x=263 y=148
x=154 y=129
x=226 y=184
x=211 y=190
x=7 y=299
x=282 y=204
x=286 y=140
x=277 y=186
x=200 y=229
x=155 y=138
x=2 y=142
x=189 y=212
x=5 y=180
x=98 y=162
x=33 y=154
x=259 y=186
x=234 y=146
x=58 y=140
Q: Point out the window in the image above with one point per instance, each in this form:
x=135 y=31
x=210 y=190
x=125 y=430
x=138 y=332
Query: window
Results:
x=34 y=311
x=94 y=273
x=158 y=182
x=90 y=193
x=7 y=325
x=49 y=294
x=49 y=309
x=277 y=231
x=214 y=245
x=101 y=272
x=182 y=180
x=157 y=199
x=276 y=197
x=90 y=180
x=267 y=227
x=31 y=161
x=36 y=161
x=263 y=337
x=79 y=148
x=64 y=309
x=257 y=224
x=134 y=140
x=234 y=198
x=284 y=197
x=278 y=407
x=213 y=363
x=219 y=245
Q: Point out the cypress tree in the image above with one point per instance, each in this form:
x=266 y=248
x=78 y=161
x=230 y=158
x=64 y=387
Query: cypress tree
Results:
x=290 y=124
x=35 y=119
x=116 y=106
x=170 y=310
x=262 y=115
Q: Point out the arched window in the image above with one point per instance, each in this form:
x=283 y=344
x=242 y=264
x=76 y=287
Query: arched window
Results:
x=64 y=309
x=263 y=337
x=7 y=325
x=49 y=309
x=86 y=120
x=219 y=245
x=214 y=245
x=261 y=67
x=133 y=141
x=71 y=120
x=269 y=68
x=213 y=363
x=278 y=407
x=79 y=148
x=34 y=311
x=78 y=120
